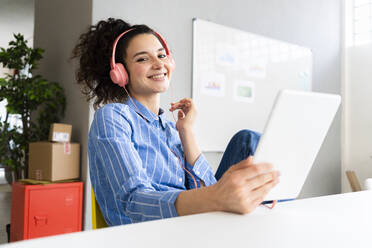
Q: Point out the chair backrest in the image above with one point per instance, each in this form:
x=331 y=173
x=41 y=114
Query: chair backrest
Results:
x=97 y=218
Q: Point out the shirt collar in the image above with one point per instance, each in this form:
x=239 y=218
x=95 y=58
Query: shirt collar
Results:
x=146 y=113
x=162 y=117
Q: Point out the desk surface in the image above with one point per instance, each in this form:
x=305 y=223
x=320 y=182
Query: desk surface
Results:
x=343 y=220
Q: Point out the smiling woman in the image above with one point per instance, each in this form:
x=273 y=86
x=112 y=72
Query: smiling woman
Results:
x=143 y=166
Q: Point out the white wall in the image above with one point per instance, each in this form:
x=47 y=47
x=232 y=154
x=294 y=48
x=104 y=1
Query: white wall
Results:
x=314 y=24
x=358 y=114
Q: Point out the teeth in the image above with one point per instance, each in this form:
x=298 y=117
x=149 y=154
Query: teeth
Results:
x=158 y=76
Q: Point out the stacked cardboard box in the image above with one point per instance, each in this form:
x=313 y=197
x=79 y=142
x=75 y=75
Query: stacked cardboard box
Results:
x=56 y=159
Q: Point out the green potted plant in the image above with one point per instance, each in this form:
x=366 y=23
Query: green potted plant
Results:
x=33 y=100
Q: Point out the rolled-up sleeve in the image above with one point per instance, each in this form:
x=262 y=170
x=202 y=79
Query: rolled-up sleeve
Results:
x=201 y=170
x=119 y=179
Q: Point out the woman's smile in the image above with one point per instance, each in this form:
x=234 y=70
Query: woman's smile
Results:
x=158 y=76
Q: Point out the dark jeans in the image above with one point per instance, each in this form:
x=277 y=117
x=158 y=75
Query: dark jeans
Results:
x=242 y=144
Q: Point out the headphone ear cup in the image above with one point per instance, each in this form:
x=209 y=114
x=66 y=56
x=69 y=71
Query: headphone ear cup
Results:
x=119 y=75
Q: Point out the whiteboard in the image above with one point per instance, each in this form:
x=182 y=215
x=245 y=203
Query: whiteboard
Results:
x=236 y=77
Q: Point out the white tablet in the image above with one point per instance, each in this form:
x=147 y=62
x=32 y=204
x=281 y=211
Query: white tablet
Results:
x=294 y=132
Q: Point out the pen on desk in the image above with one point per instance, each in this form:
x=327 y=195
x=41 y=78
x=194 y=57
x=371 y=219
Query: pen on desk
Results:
x=283 y=200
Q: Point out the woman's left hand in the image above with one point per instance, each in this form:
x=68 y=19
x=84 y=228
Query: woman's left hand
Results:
x=186 y=114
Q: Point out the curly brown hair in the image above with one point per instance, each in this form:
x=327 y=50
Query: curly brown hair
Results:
x=94 y=51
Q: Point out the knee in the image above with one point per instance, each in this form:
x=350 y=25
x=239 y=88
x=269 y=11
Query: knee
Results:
x=245 y=142
x=247 y=135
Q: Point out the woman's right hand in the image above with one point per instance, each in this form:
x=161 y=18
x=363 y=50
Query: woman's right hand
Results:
x=244 y=186
x=186 y=114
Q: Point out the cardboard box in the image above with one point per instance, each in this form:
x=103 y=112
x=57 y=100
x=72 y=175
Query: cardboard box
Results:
x=54 y=161
x=60 y=132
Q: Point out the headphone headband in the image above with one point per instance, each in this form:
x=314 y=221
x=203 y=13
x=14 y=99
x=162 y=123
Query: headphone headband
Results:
x=112 y=62
x=118 y=74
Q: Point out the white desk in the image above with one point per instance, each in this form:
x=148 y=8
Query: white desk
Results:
x=343 y=220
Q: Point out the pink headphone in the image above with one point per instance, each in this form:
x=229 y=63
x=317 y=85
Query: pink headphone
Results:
x=118 y=74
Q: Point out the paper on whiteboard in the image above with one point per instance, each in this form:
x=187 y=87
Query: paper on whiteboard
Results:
x=226 y=55
x=213 y=84
x=244 y=91
x=257 y=68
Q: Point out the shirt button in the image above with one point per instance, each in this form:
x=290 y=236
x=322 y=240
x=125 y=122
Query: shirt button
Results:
x=197 y=173
x=180 y=179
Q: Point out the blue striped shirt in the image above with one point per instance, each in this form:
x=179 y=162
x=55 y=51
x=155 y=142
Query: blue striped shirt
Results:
x=135 y=172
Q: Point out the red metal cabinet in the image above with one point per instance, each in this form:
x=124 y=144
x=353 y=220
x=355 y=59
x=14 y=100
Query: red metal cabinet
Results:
x=44 y=210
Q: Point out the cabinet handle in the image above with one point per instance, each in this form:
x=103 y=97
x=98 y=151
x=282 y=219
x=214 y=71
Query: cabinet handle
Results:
x=39 y=220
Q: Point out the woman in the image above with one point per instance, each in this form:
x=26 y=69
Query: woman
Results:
x=142 y=166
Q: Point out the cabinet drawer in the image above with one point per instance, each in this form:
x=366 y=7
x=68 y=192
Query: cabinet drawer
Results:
x=53 y=211
x=47 y=210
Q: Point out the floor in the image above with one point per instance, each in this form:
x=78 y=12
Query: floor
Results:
x=5 y=203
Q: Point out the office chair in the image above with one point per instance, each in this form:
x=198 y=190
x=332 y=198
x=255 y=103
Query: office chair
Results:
x=97 y=218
